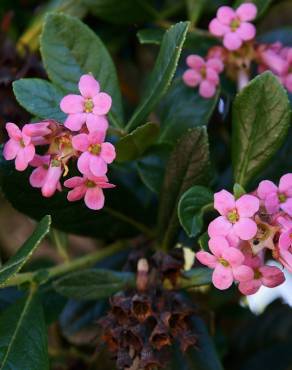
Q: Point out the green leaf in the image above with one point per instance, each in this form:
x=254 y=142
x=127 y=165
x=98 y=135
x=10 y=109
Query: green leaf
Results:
x=93 y=284
x=133 y=145
x=70 y=49
x=16 y=262
x=122 y=12
x=195 y=277
x=40 y=98
x=162 y=74
x=151 y=167
x=191 y=209
x=150 y=36
x=262 y=5
x=203 y=241
x=183 y=108
x=23 y=336
x=188 y=165
x=261 y=118
x=238 y=191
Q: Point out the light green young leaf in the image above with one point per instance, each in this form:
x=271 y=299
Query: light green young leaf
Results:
x=23 y=336
x=15 y=263
x=70 y=49
x=261 y=118
x=162 y=74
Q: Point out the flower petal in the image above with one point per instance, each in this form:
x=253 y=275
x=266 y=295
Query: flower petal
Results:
x=219 y=227
x=247 y=205
x=249 y=287
x=74 y=122
x=97 y=165
x=11 y=149
x=88 y=86
x=225 y=14
x=80 y=142
x=207 y=89
x=272 y=276
x=217 y=28
x=192 y=78
x=29 y=152
x=74 y=181
x=195 y=62
x=96 y=123
x=246 y=31
x=218 y=245
x=72 y=103
x=108 y=152
x=222 y=277
x=246 y=12
x=272 y=203
x=94 y=198
x=13 y=131
x=38 y=176
x=233 y=256
x=232 y=41
x=287 y=206
x=96 y=137
x=266 y=188
x=77 y=193
x=224 y=202
x=102 y=103
x=285 y=240
x=206 y=259
x=243 y=273
x=285 y=184
x=83 y=163
x=245 y=228
x=216 y=64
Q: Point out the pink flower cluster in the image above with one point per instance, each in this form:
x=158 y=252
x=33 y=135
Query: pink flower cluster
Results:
x=251 y=229
x=81 y=138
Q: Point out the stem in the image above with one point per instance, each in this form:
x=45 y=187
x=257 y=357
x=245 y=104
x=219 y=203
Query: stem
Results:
x=141 y=227
x=242 y=78
x=77 y=264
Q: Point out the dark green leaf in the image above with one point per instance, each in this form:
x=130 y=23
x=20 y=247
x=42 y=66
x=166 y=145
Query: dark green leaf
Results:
x=181 y=109
x=40 y=98
x=162 y=74
x=122 y=12
x=191 y=209
x=261 y=117
x=262 y=5
x=16 y=262
x=151 y=167
x=188 y=165
x=69 y=49
x=23 y=336
x=203 y=241
x=133 y=145
x=150 y=36
x=93 y=284
x=195 y=277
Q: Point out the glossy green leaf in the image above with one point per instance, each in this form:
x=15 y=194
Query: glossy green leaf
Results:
x=261 y=118
x=162 y=74
x=122 y=12
x=133 y=145
x=93 y=284
x=151 y=167
x=188 y=165
x=23 y=336
x=150 y=36
x=40 y=98
x=69 y=49
x=191 y=209
x=195 y=277
x=183 y=108
x=262 y=5
x=16 y=262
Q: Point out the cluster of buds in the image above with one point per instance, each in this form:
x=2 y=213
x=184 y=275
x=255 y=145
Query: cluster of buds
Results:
x=249 y=230
x=143 y=323
x=50 y=147
x=238 y=51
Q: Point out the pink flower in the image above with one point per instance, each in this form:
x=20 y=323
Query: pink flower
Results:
x=96 y=154
x=269 y=276
x=18 y=147
x=286 y=75
x=37 y=129
x=276 y=198
x=227 y=263
x=204 y=74
x=51 y=182
x=270 y=58
x=89 y=188
x=90 y=107
x=233 y=25
x=235 y=216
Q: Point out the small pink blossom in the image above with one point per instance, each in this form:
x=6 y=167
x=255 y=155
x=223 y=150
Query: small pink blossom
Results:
x=37 y=129
x=233 y=25
x=236 y=216
x=96 y=153
x=89 y=188
x=227 y=263
x=204 y=74
x=269 y=276
x=51 y=182
x=89 y=108
x=269 y=58
x=18 y=147
x=275 y=198
x=286 y=75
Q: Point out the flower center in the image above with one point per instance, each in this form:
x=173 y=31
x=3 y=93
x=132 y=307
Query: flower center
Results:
x=223 y=262
x=55 y=163
x=21 y=142
x=235 y=23
x=95 y=149
x=88 y=106
x=233 y=216
x=263 y=232
x=257 y=274
x=90 y=184
x=282 y=198
x=203 y=72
